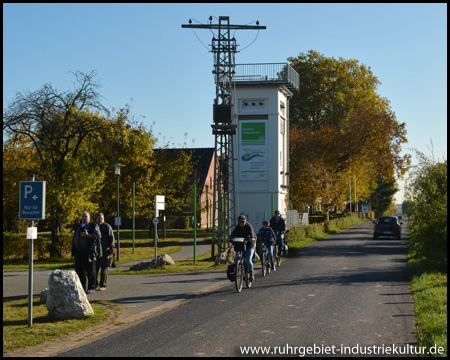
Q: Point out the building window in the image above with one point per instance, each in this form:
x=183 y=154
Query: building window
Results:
x=253 y=103
x=282 y=109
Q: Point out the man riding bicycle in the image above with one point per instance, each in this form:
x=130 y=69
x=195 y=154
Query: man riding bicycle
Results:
x=267 y=237
x=278 y=225
x=245 y=230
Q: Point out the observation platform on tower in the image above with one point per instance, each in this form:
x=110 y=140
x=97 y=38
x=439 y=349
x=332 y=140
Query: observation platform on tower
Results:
x=268 y=74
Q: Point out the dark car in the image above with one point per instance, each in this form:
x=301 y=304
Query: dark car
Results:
x=387 y=226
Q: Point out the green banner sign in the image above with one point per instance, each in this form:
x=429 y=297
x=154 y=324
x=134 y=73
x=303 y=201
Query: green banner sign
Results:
x=253 y=133
x=253 y=150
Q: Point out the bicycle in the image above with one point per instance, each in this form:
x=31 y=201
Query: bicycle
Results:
x=276 y=248
x=266 y=266
x=241 y=264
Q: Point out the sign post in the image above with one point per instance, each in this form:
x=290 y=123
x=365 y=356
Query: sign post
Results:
x=134 y=214
x=31 y=207
x=195 y=223
x=159 y=205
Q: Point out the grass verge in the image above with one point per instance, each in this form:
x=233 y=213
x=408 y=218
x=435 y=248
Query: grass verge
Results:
x=429 y=290
x=143 y=249
x=203 y=263
x=17 y=334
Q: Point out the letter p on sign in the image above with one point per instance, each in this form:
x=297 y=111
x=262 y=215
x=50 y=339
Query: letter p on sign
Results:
x=28 y=190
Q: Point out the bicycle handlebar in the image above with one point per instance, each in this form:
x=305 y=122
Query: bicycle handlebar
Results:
x=248 y=238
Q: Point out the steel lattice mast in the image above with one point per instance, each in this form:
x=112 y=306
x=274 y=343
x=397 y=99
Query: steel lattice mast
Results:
x=224 y=125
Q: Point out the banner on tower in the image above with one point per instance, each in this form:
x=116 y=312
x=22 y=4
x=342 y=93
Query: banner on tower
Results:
x=253 y=150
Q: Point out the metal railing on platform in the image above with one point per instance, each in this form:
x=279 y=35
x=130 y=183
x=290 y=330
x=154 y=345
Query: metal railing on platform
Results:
x=269 y=73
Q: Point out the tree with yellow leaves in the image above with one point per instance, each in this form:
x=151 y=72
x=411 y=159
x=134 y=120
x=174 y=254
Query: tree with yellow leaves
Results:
x=341 y=129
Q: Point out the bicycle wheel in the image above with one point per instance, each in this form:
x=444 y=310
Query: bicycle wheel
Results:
x=247 y=278
x=268 y=266
x=263 y=261
x=276 y=255
x=239 y=275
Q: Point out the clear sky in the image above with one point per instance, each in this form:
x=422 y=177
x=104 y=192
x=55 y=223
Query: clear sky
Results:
x=144 y=58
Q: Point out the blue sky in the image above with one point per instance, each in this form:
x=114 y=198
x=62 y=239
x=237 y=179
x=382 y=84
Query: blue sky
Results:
x=144 y=58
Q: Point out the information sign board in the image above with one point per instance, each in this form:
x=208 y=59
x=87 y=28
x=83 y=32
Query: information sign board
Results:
x=32 y=233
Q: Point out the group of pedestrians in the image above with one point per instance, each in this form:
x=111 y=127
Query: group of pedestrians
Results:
x=267 y=234
x=92 y=248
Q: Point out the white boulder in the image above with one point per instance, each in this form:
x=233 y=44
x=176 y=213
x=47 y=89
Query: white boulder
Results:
x=161 y=260
x=226 y=257
x=66 y=298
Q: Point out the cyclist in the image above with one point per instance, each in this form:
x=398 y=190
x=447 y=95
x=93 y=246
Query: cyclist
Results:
x=245 y=230
x=278 y=225
x=267 y=237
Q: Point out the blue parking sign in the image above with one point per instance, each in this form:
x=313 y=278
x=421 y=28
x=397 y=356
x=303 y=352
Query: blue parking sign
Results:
x=32 y=200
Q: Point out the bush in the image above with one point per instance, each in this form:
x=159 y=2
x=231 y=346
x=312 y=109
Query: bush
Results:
x=315 y=219
x=177 y=222
x=16 y=247
x=65 y=245
x=330 y=225
x=428 y=212
x=315 y=230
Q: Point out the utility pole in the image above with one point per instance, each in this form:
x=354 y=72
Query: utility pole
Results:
x=224 y=126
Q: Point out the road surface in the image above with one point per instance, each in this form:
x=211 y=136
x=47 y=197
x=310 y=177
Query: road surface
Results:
x=344 y=295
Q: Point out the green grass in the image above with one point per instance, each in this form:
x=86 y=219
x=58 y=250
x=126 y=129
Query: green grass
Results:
x=17 y=334
x=203 y=263
x=429 y=290
x=144 y=248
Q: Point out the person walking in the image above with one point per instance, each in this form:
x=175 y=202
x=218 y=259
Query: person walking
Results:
x=107 y=241
x=86 y=248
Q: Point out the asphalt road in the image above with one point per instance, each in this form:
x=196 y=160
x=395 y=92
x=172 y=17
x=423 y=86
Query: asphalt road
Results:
x=347 y=294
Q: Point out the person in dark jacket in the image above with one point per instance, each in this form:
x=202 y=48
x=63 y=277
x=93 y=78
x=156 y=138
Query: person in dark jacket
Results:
x=245 y=230
x=107 y=241
x=278 y=225
x=86 y=248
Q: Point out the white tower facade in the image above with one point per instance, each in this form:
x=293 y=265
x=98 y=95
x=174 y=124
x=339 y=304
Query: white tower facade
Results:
x=262 y=143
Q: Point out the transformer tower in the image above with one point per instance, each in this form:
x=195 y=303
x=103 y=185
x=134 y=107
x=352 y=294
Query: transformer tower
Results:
x=224 y=126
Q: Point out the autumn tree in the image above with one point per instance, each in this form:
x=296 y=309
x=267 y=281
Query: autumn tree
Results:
x=330 y=89
x=126 y=141
x=381 y=198
x=69 y=140
x=53 y=125
x=175 y=169
x=123 y=140
x=18 y=160
x=340 y=129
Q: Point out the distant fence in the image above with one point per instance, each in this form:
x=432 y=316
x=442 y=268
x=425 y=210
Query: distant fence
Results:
x=294 y=218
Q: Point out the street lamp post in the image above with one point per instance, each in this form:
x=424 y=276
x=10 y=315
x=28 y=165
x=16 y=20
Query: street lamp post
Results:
x=117 y=220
